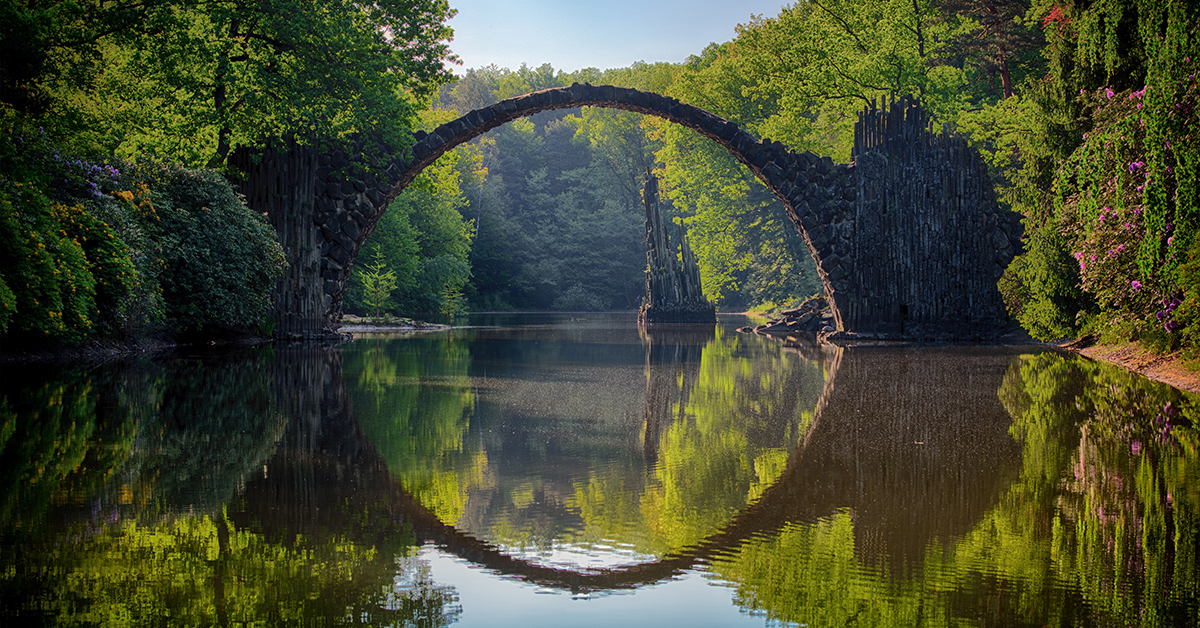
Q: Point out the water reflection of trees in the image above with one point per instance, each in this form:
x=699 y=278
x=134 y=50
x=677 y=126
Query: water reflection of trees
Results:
x=155 y=435
x=918 y=496
x=1099 y=526
x=414 y=401
x=727 y=416
x=653 y=454
x=121 y=501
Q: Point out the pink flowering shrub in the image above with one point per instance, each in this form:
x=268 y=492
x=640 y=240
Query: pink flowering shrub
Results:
x=1129 y=198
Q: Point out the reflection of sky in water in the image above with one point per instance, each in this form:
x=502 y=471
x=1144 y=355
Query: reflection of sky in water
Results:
x=692 y=599
x=581 y=556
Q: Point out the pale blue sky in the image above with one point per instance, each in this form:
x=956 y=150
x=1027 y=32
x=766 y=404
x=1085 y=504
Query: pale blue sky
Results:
x=575 y=34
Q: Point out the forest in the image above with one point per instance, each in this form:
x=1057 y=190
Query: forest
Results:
x=119 y=121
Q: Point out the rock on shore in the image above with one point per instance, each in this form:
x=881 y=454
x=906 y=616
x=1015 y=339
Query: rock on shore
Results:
x=813 y=316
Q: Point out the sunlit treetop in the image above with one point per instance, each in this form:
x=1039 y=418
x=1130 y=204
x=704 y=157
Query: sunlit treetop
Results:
x=197 y=79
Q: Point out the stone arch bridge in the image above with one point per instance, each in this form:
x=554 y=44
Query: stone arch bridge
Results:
x=907 y=237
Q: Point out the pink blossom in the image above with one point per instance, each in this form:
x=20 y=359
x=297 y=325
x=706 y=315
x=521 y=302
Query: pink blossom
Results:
x=1108 y=92
x=1136 y=285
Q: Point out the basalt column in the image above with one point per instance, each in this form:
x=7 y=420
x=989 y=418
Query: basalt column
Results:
x=929 y=240
x=279 y=182
x=673 y=293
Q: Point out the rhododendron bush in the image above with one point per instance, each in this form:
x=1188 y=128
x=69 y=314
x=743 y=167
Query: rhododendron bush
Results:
x=1120 y=195
x=1108 y=175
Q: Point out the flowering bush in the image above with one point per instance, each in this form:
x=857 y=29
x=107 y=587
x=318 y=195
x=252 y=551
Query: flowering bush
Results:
x=93 y=250
x=1128 y=194
x=47 y=272
x=1100 y=190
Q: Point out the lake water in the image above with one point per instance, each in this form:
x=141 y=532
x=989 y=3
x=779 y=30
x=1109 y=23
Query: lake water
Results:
x=567 y=470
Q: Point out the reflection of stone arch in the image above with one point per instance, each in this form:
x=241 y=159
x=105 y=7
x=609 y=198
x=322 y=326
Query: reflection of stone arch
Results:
x=907 y=238
x=766 y=515
x=914 y=443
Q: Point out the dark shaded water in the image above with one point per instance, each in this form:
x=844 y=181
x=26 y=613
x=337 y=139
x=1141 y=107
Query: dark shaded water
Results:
x=549 y=470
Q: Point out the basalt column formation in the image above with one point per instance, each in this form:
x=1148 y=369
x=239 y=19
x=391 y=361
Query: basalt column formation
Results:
x=673 y=293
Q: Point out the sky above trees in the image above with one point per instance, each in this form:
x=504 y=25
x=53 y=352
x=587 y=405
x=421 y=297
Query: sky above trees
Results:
x=572 y=35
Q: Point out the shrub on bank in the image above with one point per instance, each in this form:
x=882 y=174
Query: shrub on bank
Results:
x=219 y=259
x=119 y=250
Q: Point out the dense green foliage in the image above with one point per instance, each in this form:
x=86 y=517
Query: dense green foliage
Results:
x=109 y=226
x=125 y=250
x=194 y=80
x=1101 y=156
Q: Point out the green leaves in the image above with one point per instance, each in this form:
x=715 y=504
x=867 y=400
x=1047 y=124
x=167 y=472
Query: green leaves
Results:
x=193 y=80
x=49 y=281
x=221 y=259
x=378 y=283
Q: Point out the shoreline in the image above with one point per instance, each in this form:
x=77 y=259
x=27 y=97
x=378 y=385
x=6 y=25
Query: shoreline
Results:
x=1165 y=368
x=370 y=328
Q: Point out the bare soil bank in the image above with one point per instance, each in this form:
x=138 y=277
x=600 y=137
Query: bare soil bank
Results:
x=1168 y=368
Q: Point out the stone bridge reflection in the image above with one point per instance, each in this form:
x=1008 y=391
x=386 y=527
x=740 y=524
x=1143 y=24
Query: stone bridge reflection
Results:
x=913 y=443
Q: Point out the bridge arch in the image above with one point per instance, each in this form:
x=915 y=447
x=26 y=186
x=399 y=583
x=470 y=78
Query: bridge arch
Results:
x=908 y=239
x=363 y=202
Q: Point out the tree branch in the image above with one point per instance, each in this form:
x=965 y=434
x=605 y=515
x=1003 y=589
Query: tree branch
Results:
x=845 y=26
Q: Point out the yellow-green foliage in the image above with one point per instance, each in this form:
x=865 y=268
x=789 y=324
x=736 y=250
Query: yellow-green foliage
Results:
x=46 y=268
x=1110 y=471
x=207 y=571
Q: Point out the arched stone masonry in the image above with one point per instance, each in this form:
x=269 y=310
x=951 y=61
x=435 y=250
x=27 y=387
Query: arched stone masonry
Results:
x=907 y=238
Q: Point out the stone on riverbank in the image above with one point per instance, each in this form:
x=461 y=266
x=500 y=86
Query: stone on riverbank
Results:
x=813 y=316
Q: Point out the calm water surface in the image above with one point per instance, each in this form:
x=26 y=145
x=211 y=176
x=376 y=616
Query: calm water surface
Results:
x=565 y=470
